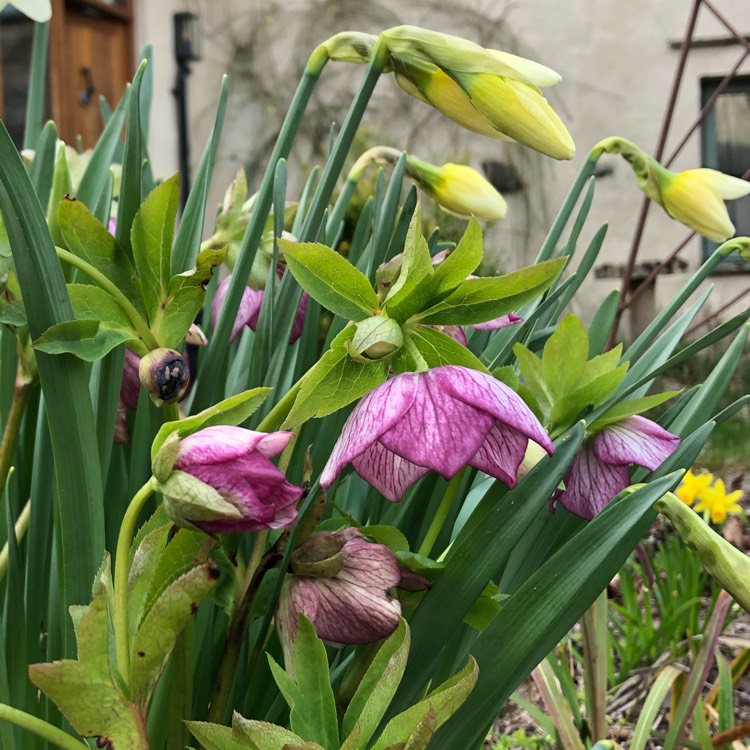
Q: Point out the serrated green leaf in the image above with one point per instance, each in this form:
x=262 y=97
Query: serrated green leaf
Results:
x=412 y=289
x=531 y=370
x=93 y=303
x=87 y=238
x=592 y=394
x=231 y=411
x=634 y=406
x=378 y=686
x=334 y=382
x=156 y=636
x=186 y=295
x=601 y=364
x=564 y=357
x=87 y=339
x=314 y=718
x=260 y=735
x=352 y=741
x=216 y=736
x=506 y=374
x=461 y=262
x=437 y=348
x=482 y=299
x=423 y=732
x=143 y=568
x=330 y=279
x=445 y=700
x=151 y=238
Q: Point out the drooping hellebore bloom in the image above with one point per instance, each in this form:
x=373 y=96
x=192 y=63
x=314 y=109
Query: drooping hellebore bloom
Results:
x=249 y=310
x=601 y=469
x=694 y=197
x=340 y=582
x=504 y=321
x=439 y=420
x=221 y=480
x=490 y=92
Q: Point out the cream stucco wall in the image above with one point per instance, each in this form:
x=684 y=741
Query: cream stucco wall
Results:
x=617 y=61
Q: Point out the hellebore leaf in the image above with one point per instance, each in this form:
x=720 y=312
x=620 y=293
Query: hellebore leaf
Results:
x=378 y=686
x=156 y=636
x=84 y=689
x=93 y=303
x=87 y=238
x=231 y=411
x=260 y=735
x=334 y=382
x=423 y=732
x=634 y=406
x=564 y=357
x=151 y=237
x=484 y=298
x=461 y=263
x=187 y=292
x=444 y=701
x=602 y=364
x=87 y=339
x=330 y=279
x=12 y=313
x=216 y=736
x=412 y=290
x=143 y=568
x=438 y=349
x=531 y=369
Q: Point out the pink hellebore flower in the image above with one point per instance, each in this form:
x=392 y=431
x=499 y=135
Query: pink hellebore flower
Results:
x=222 y=481
x=439 y=420
x=600 y=471
x=249 y=310
x=504 y=321
x=340 y=582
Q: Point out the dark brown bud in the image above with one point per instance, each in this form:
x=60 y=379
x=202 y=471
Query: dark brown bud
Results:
x=164 y=374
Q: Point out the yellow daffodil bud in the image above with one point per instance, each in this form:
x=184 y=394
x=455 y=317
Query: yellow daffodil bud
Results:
x=695 y=197
x=487 y=91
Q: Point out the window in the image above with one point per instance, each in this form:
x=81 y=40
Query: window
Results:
x=725 y=145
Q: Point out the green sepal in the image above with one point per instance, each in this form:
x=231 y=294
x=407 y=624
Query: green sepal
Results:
x=151 y=236
x=231 y=411
x=88 y=339
x=626 y=409
x=330 y=279
x=87 y=238
x=437 y=348
x=485 y=298
x=187 y=499
x=334 y=382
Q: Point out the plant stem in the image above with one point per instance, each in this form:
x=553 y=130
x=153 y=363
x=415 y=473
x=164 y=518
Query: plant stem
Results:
x=22 y=524
x=256 y=568
x=595 y=648
x=127 y=529
x=171 y=413
x=40 y=728
x=436 y=525
x=12 y=427
x=139 y=324
x=279 y=413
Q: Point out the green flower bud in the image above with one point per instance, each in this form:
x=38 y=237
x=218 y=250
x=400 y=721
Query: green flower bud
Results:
x=164 y=374
x=376 y=338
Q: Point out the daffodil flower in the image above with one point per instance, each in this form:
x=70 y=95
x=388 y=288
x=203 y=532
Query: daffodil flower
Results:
x=716 y=503
x=692 y=486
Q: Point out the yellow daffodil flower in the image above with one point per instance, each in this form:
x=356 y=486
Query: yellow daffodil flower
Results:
x=692 y=486
x=715 y=501
x=695 y=197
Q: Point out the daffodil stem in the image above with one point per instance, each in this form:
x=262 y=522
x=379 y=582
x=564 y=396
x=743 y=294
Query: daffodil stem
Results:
x=595 y=650
x=12 y=427
x=122 y=568
x=21 y=526
x=40 y=728
x=438 y=520
x=257 y=566
x=139 y=324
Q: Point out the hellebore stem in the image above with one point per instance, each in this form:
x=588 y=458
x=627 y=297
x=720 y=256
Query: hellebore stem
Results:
x=279 y=413
x=436 y=525
x=21 y=526
x=171 y=413
x=139 y=324
x=122 y=568
x=419 y=361
x=12 y=426
x=256 y=569
x=40 y=728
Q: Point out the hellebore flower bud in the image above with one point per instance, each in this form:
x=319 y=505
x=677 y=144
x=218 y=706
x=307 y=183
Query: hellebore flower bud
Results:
x=339 y=581
x=220 y=480
x=376 y=338
x=164 y=374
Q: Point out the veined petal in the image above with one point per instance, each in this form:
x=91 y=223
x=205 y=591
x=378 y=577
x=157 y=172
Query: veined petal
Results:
x=501 y=454
x=387 y=472
x=635 y=440
x=221 y=443
x=249 y=309
x=503 y=321
x=591 y=484
x=375 y=414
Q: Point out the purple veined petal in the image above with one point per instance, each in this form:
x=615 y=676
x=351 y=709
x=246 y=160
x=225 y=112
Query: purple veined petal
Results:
x=635 y=440
x=501 y=454
x=484 y=392
x=221 y=443
x=457 y=333
x=248 y=311
x=272 y=443
x=112 y=225
x=299 y=318
x=387 y=472
x=438 y=431
x=591 y=484
x=503 y=321
x=130 y=387
x=376 y=413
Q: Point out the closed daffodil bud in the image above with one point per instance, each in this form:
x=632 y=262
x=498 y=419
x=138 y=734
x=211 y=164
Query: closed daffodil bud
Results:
x=164 y=374
x=487 y=91
x=694 y=197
